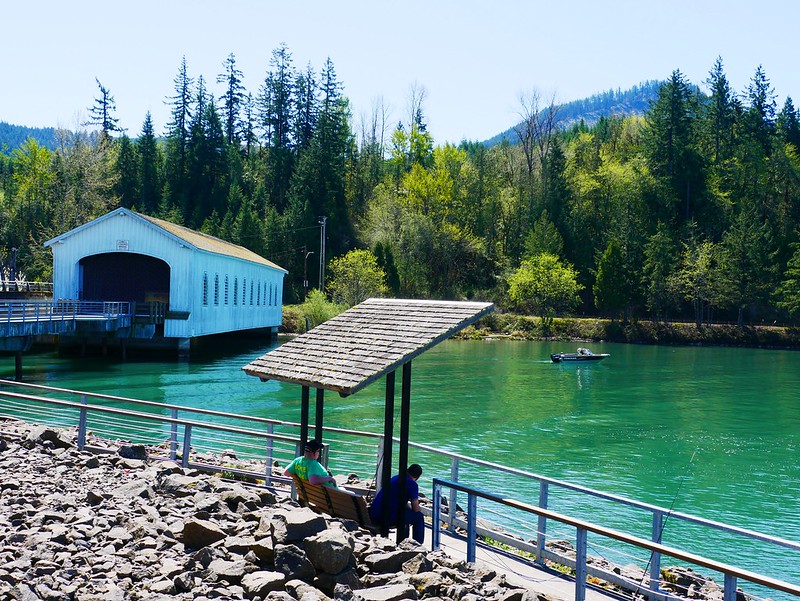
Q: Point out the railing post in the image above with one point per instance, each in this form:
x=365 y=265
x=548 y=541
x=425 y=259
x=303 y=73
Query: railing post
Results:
x=82 y=425
x=379 y=464
x=187 y=439
x=173 y=436
x=453 y=500
x=655 y=557
x=541 y=528
x=472 y=526
x=729 y=590
x=436 y=517
x=270 y=444
x=580 y=565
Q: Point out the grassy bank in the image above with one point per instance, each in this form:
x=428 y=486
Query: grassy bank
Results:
x=522 y=327
x=297 y=318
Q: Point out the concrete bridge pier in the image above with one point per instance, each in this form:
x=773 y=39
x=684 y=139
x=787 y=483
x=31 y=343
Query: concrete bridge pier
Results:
x=18 y=345
x=184 y=347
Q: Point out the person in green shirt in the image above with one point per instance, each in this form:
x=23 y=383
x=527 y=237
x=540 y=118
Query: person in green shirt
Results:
x=308 y=466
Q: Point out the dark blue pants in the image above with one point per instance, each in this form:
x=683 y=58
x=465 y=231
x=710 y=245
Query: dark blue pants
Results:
x=416 y=521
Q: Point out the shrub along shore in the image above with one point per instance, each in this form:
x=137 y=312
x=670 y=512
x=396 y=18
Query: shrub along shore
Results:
x=519 y=327
x=298 y=318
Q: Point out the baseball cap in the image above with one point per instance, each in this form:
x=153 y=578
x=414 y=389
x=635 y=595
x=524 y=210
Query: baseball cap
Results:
x=313 y=446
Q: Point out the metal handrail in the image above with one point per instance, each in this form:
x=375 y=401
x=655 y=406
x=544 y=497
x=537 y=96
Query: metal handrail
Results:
x=731 y=573
x=656 y=509
x=210 y=412
x=174 y=422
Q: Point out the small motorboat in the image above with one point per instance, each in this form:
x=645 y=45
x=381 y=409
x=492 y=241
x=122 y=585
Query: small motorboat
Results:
x=583 y=354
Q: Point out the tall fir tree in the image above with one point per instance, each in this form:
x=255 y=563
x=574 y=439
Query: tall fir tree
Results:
x=233 y=100
x=150 y=166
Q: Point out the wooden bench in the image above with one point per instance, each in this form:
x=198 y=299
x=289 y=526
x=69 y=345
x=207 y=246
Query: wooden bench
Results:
x=335 y=502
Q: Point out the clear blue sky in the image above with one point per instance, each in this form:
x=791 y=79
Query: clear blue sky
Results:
x=473 y=58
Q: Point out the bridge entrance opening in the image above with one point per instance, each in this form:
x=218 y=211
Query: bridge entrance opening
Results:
x=124 y=277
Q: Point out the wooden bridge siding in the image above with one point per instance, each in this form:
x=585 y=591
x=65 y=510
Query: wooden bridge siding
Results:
x=187 y=266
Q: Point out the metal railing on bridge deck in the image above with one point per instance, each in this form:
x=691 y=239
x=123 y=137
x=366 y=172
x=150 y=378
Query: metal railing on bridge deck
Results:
x=253 y=447
x=24 y=312
x=14 y=286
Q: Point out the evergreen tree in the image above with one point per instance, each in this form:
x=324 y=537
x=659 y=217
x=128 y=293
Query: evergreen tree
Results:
x=720 y=115
x=306 y=108
x=760 y=115
x=788 y=124
x=670 y=144
x=176 y=193
x=788 y=293
x=611 y=289
x=275 y=106
x=127 y=167
x=150 y=161
x=658 y=273
x=748 y=256
x=544 y=238
x=232 y=101
x=102 y=113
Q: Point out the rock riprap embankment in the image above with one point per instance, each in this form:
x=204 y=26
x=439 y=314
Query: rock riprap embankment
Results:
x=79 y=526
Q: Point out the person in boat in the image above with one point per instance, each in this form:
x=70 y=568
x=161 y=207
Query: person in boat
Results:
x=413 y=516
x=308 y=467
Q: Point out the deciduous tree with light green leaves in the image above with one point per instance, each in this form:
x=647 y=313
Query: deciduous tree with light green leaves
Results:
x=356 y=277
x=544 y=286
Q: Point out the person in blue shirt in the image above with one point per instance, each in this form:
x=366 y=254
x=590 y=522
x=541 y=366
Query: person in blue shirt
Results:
x=413 y=516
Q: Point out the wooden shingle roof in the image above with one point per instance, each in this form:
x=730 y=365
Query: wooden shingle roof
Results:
x=358 y=346
x=209 y=243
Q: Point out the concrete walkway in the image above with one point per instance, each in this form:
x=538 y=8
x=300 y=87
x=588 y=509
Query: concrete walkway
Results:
x=518 y=570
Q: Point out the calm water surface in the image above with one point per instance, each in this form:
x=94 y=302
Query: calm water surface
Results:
x=710 y=431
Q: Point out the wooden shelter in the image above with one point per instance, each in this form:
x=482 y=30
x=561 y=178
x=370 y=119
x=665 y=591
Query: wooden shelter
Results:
x=357 y=347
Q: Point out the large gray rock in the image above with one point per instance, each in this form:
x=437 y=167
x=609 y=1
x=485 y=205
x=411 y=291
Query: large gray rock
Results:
x=330 y=583
x=229 y=571
x=392 y=592
x=200 y=533
x=45 y=434
x=304 y=591
x=392 y=561
x=131 y=490
x=180 y=485
x=330 y=551
x=296 y=525
x=292 y=561
x=133 y=451
x=262 y=583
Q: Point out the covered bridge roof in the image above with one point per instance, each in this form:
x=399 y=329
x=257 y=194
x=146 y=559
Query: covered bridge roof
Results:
x=192 y=238
x=360 y=345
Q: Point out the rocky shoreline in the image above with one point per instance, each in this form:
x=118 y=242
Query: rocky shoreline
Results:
x=85 y=527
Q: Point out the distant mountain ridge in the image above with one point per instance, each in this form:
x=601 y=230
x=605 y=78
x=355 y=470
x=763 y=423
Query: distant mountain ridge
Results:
x=634 y=101
x=13 y=136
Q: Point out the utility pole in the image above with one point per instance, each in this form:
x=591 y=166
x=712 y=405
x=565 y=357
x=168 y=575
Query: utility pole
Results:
x=305 y=270
x=322 y=221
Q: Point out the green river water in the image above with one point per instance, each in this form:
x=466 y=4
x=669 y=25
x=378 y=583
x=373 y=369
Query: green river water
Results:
x=709 y=431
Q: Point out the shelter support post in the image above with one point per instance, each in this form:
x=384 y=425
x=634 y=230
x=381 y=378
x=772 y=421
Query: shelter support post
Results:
x=319 y=415
x=405 y=427
x=388 y=434
x=303 y=417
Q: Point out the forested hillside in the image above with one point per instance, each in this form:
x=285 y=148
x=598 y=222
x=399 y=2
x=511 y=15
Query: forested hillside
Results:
x=14 y=136
x=611 y=103
x=689 y=211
